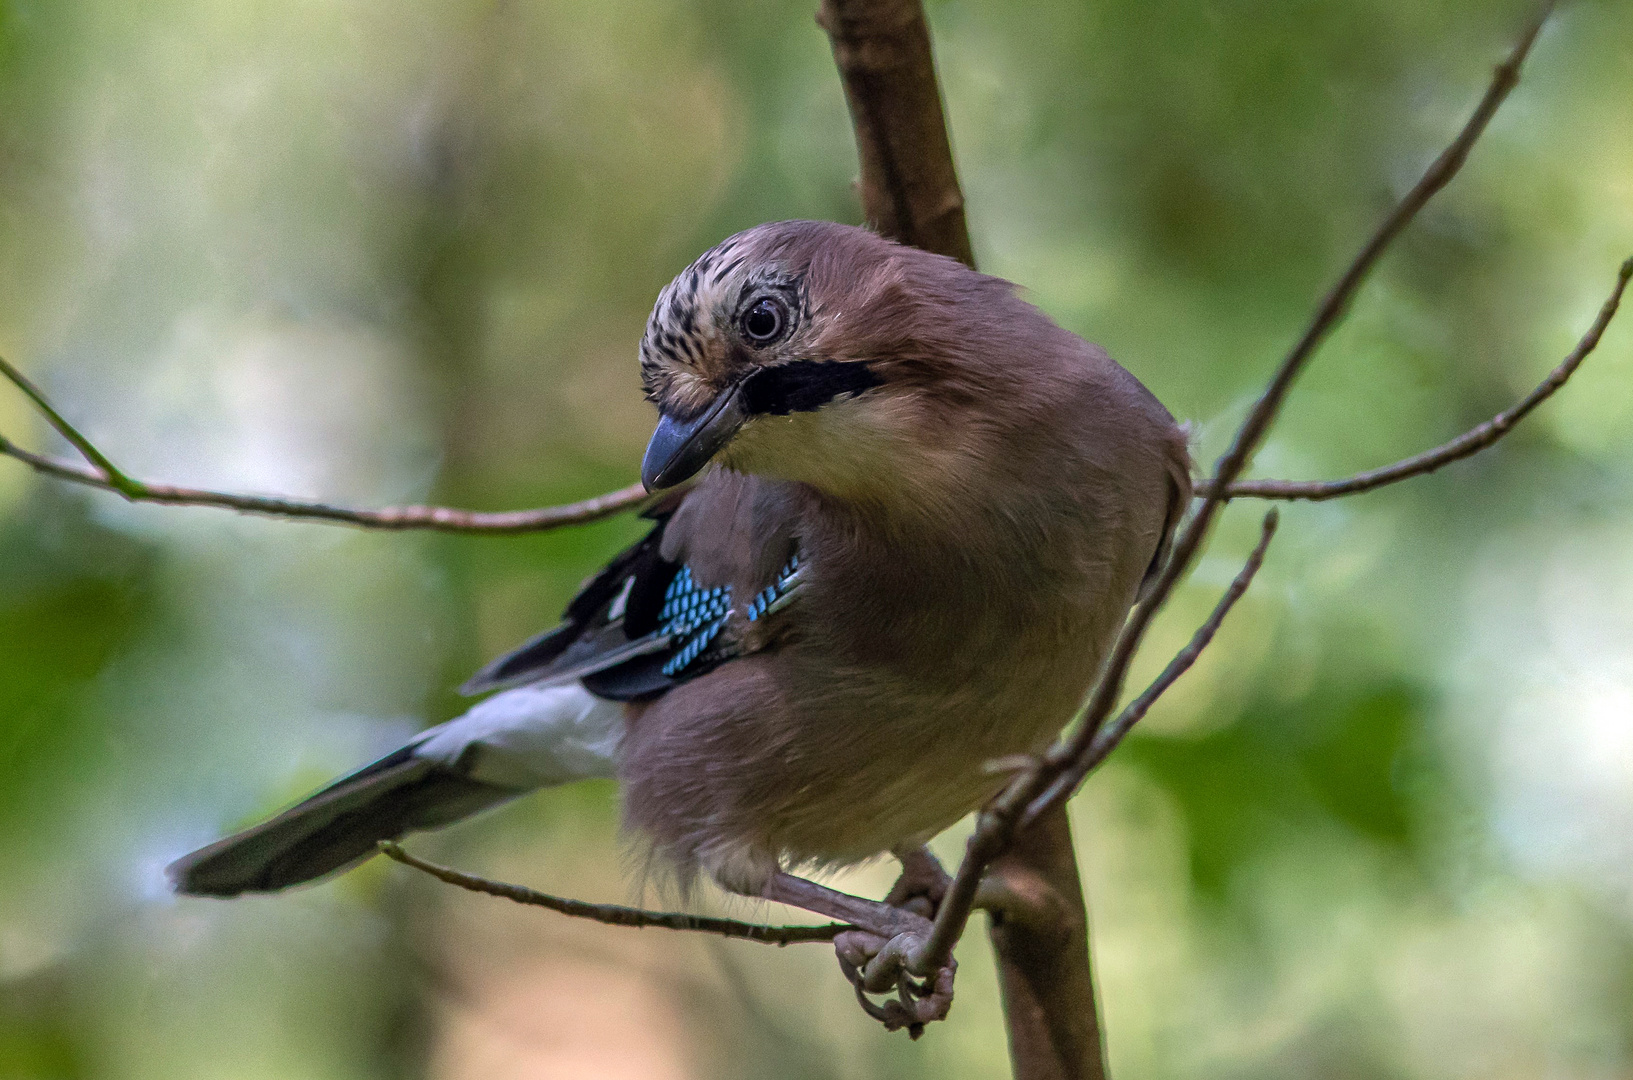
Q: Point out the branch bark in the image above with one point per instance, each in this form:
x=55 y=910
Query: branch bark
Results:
x=1039 y=927
x=103 y=474
x=1468 y=444
x=617 y=914
x=909 y=186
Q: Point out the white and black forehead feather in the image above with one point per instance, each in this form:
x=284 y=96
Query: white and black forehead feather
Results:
x=690 y=351
x=697 y=308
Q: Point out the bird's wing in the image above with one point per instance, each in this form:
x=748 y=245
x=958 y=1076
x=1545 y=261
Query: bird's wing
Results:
x=1178 y=461
x=675 y=604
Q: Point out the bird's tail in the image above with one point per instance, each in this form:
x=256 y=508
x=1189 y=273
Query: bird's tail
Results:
x=509 y=744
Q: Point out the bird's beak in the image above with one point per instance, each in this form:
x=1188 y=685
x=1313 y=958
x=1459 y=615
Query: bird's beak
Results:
x=680 y=448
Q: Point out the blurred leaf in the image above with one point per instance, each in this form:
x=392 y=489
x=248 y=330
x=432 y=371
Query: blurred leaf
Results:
x=1337 y=753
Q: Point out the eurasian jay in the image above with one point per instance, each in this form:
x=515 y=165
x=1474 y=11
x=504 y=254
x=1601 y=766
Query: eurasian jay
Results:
x=904 y=516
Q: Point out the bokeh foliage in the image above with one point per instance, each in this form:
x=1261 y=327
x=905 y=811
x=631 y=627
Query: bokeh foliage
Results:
x=384 y=252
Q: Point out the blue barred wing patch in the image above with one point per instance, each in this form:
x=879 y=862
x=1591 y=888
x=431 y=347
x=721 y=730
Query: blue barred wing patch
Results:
x=692 y=617
x=779 y=594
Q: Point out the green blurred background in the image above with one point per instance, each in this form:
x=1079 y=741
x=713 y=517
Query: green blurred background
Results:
x=401 y=251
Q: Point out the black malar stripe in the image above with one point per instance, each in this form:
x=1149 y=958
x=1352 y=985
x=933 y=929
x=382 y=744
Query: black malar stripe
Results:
x=804 y=385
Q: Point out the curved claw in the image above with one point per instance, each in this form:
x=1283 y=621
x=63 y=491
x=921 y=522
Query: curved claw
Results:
x=879 y=966
x=875 y=953
x=884 y=971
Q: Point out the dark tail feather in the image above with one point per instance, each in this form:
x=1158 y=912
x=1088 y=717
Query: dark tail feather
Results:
x=340 y=825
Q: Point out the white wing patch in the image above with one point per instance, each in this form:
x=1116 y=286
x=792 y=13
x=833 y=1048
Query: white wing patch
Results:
x=530 y=737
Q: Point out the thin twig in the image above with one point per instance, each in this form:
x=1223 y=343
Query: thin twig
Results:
x=1109 y=735
x=1465 y=445
x=1469 y=443
x=998 y=822
x=614 y=914
x=106 y=471
x=1253 y=429
x=106 y=476
x=944 y=934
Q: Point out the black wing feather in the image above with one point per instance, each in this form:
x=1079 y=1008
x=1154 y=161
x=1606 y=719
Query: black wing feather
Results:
x=587 y=634
x=639 y=627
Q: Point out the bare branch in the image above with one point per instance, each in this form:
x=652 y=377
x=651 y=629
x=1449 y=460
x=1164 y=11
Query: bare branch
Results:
x=449 y=520
x=108 y=477
x=909 y=186
x=614 y=914
x=1264 y=412
x=1107 y=738
x=50 y=466
x=1025 y=796
x=1469 y=443
x=1039 y=929
x=995 y=835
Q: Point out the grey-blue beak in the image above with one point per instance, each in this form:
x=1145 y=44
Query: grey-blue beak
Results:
x=680 y=448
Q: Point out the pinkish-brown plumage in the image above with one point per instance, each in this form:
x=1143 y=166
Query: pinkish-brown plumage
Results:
x=973 y=531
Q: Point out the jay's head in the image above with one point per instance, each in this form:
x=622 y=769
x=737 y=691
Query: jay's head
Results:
x=805 y=351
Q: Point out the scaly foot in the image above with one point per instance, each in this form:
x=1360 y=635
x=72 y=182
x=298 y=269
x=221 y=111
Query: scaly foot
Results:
x=874 y=956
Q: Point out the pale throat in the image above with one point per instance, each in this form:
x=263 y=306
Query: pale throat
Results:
x=867 y=449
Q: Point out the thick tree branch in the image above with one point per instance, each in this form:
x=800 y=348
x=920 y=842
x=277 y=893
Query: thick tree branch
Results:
x=1039 y=928
x=1469 y=443
x=909 y=186
x=909 y=190
x=615 y=914
x=105 y=475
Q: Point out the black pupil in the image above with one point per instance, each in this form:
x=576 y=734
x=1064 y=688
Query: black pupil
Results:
x=763 y=321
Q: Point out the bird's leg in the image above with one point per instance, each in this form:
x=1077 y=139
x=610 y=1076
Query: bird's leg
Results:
x=923 y=882
x=875 y=917
x=874 y=956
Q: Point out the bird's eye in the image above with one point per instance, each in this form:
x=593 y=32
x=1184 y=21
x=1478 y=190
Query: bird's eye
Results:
x=764 y=321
